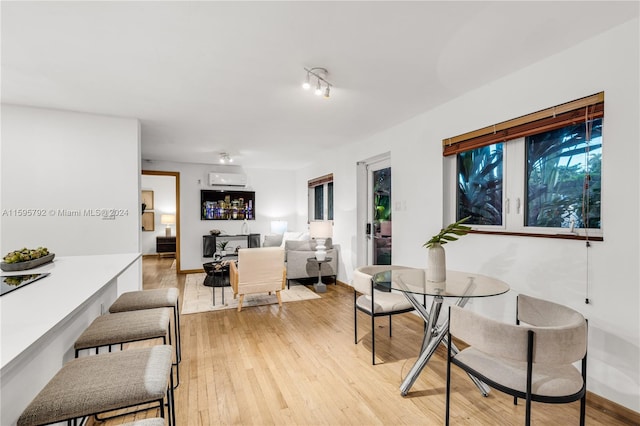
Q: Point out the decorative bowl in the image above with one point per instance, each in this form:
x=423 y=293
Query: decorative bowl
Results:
x=28 y=264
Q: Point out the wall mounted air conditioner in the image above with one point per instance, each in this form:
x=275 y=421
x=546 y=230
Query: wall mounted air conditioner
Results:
x=227 y=179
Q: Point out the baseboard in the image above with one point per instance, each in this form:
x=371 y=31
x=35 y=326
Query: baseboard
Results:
x=338 y=282
x=191 y=271
x=618 y=411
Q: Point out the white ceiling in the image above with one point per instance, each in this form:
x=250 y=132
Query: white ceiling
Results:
x=206 y=77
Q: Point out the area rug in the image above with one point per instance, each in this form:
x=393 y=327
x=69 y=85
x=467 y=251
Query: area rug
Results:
x=198 y=298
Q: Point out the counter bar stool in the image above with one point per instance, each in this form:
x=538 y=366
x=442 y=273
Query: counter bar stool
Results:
x=126 y=327
x=102 y=383
x=149 y=299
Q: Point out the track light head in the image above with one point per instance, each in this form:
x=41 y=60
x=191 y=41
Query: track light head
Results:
x=306 y=85
x=326 y=92
x=318 y=90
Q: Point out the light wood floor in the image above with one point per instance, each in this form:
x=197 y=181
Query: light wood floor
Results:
x=298 y=365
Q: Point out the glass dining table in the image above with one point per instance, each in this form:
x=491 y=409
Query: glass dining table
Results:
x=460 y=286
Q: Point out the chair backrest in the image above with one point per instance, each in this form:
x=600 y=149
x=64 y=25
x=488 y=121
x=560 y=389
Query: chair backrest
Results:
x=554 y=324
x=361 y=281
x=563 y=343
x=260 y=269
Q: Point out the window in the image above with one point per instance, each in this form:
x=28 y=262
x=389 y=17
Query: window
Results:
x=321 y=198
x=563 y=177
x=535 y=175
x=479 y=178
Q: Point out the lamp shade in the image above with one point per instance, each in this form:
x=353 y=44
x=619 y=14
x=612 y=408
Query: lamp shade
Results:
x=278 y=226
x=168 y=219
x=321 y=229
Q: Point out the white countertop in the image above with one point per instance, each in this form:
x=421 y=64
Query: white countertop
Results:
x=28 y=313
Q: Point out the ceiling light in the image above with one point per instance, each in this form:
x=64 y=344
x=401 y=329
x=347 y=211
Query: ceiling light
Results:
x=326 y=93
x=225 y=158
x=320 y=74
x=306 y=85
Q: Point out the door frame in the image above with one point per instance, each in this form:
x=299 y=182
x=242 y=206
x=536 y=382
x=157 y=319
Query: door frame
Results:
x=362 y=209
x=176 y=175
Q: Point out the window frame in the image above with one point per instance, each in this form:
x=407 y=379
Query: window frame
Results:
x=512 y=133
x=326 y=182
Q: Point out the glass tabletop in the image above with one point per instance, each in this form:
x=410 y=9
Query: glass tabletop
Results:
x=457 y=284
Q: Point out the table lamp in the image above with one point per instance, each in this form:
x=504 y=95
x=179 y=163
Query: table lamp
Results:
x=320 y=231
x=278 y=226
x=168 y=219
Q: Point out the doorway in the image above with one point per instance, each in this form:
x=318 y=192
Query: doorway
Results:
x=171 y=208
x=374 y=211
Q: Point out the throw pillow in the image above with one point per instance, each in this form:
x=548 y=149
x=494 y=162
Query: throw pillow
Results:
x=294 y=236
x=272 y=240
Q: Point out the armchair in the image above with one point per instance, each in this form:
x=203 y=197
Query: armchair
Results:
x=375 y=303
x=259 y=270
x=532 y=361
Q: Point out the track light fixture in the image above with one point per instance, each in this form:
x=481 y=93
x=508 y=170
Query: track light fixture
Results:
x=306 y=85
x=320 y=74
x=225 y=158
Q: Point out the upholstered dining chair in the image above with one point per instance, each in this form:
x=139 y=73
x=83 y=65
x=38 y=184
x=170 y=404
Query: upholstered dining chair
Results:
x=259 y=270
x=375 y=302
x=532 y=359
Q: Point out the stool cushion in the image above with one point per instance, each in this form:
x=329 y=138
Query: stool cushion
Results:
x=125 y=327
x=146 y=299
x=100 y=383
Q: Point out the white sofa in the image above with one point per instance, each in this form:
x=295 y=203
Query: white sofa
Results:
x=297 y=253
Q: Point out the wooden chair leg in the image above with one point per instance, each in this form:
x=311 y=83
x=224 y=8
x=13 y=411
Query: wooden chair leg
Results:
x=279 y=298
x=240 y=302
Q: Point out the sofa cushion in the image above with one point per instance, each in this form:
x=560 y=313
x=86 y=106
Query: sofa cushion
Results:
x=295 y=236
x=308 y=245
x=272 y=240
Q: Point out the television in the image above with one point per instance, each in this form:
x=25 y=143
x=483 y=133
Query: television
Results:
x=227 y=205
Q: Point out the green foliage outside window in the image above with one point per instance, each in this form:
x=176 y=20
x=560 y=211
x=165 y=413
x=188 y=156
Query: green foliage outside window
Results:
x=480 y=185
x=564 y=177
x=382 y=194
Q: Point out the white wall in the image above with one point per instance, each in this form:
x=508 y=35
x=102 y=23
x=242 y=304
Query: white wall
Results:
x=275 y=200
x=553 y=269
x=164 y=202
x=58 y=161
x=54 y=161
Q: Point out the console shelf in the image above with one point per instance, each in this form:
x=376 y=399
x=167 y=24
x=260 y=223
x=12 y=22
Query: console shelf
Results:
x=210 y=242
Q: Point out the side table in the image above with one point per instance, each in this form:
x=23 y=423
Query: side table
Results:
x=319 y=287
x=216 y=271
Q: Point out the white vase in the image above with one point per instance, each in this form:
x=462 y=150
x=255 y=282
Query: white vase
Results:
x=436 y=264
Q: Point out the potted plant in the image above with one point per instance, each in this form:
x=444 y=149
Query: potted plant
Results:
x=436 y=261
x=222 y=245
